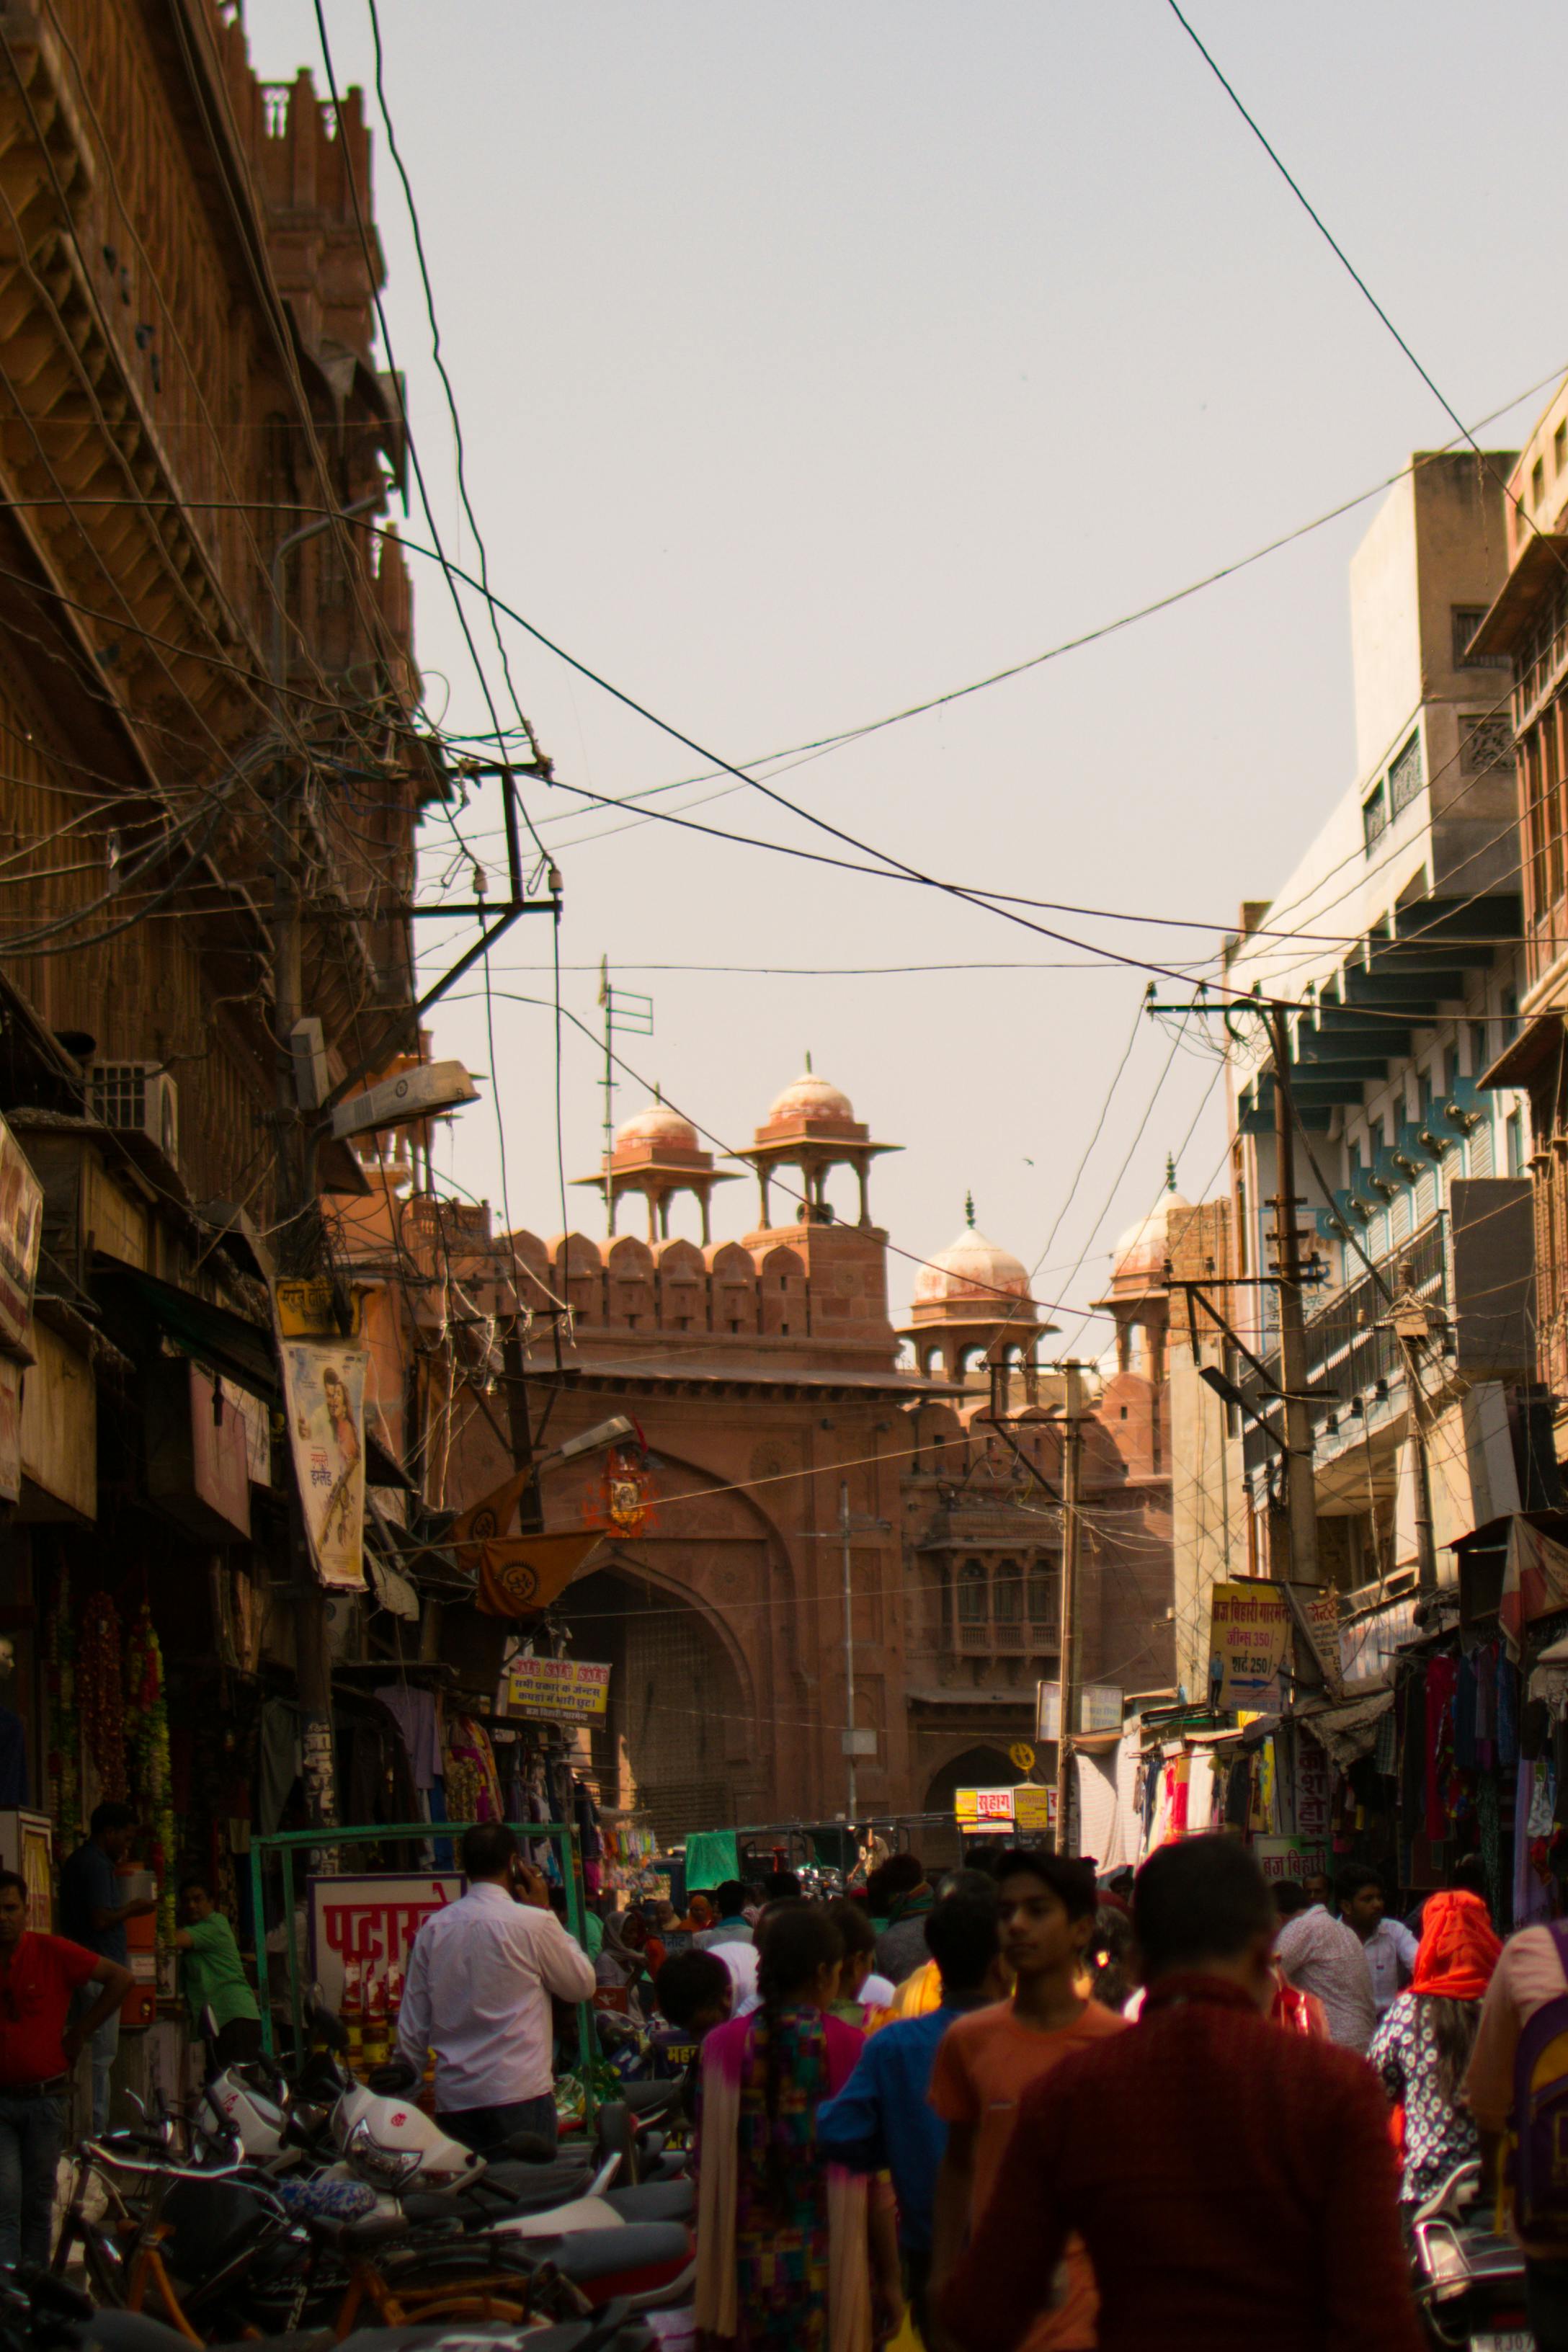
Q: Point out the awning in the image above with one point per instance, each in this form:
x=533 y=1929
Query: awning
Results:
x=1540 y=1034
x=1349 y=1732
x=1533 y=579
x=133 y=1302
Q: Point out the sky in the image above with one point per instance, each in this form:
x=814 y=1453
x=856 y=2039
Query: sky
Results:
x=814 y=362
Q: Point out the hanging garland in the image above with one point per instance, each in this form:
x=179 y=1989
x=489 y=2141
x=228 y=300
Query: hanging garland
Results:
x=64 y=1764
x=148 y=1715
x=101 y=1694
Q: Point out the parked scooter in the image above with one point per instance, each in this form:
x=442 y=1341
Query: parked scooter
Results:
x=1469 y=2275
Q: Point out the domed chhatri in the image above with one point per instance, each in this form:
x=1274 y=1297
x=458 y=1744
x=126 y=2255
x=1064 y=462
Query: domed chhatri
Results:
x=811 y=1098
x=1144 y=1247
x=657 y=1153
x=970 y=1271
x=971 y=1306
x=812 y=1127
x=657 y=1124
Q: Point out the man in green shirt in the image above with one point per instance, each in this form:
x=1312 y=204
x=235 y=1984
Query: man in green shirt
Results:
x=212 y=1975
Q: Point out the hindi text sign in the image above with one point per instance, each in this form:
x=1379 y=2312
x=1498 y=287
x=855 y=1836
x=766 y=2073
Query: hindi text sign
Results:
x=371 y=1917
x=557 y=1690
x=1250 y=1643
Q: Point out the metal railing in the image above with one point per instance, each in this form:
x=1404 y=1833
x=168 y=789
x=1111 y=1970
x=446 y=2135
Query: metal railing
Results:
x=1347 y=1351
x=289 y=1844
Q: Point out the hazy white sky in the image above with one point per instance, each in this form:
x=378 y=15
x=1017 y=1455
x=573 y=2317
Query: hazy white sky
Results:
x=813 y=360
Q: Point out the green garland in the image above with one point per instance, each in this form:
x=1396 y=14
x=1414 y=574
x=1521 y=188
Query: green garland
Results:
x=147 y=1723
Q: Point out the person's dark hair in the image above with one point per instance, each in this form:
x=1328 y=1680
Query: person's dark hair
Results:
x=1468 y=1875
x=186 y=1884
x=1452 y=2025
x=1202 y=1898
x=111 y=1816
x=690 y=1981
x=1108 y=1959
x=487 y=1848
x=728 y=1898
x=801 y=1939
x=853 y=1922
x=1290 y=1898
x=15 y=1878
x=960 y=1937
x=783 y=1886
x=901 y=1874
x=1071 y=1882
x=979 y=1884
x=1352 y=1878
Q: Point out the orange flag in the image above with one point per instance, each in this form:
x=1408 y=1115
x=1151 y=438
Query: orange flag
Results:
x=492 y=1514
x=520 y=1575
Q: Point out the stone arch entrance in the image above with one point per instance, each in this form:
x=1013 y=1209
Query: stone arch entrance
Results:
x=679 y=1741
x=981 y=1767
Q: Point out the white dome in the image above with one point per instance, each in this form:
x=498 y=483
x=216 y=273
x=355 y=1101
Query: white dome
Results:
x=657 y=1124
x=1143 y=1247
x=811 y=1098
x=973 y=1270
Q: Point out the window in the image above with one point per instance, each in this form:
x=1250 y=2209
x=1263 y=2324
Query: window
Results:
x=1560 y=448
x=1007 y=1600
x=1536 y=481
x=1406 y=776
x=1513 y=1137
x=1374 y=817
x=1044 y=1597
x=972 y=1594
x=1479 y=1055
x=1486 y=741
x=1467 y=619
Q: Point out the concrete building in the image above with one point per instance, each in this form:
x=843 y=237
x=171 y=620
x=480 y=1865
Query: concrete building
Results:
x=1393 y=942
x=1525 y=634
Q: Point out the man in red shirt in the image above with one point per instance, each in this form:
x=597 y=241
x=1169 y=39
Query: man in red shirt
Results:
x=38 y=1974
x=1234 y=2185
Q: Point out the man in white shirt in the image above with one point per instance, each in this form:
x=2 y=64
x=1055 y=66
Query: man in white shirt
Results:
x=480 y=1974
x=1389 y=1945
x=1321 y=1955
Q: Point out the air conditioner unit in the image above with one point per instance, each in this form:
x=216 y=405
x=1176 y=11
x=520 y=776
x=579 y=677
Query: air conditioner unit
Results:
x=137 y=1097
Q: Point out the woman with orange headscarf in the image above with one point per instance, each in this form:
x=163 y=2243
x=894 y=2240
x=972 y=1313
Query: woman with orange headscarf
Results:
x=1423 y=2045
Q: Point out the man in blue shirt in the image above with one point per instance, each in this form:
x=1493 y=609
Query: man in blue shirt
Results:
x=882 y=2119
x=731 y=1925
x=93 y=1915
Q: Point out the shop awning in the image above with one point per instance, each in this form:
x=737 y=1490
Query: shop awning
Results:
x=135 y=1304
x=1349 y=1732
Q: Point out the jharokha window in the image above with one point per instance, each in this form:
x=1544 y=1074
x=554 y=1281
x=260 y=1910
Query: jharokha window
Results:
x=1540 y=792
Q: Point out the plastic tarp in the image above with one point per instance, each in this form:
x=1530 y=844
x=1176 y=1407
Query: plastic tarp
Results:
x=1107 y=1823
x=711 y=1859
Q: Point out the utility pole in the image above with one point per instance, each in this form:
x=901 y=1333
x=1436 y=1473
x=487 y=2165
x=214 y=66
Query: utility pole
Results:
x=1411 y=1324
x=1300 y=1490
x=1066 y=1726
x=300 y=1240
x=626 y=1013
x=851 y=1792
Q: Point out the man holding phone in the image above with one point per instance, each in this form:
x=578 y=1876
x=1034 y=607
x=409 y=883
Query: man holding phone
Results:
x=480 y=1975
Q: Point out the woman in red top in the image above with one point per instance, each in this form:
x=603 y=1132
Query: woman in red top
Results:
x=38 y=1974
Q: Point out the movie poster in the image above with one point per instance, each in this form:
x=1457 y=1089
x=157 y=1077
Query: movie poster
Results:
x=323 y=1386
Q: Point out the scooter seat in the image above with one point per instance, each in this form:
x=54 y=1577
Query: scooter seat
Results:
x=644 y=2251
x=654 y=2200
x=524 y=2188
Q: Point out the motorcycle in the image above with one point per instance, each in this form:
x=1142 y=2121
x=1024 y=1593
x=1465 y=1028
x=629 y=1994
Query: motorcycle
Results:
x=1468 y=2277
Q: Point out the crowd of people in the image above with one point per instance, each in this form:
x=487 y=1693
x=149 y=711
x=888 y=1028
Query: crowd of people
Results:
x=1192 y=2110
x=1018 y=2108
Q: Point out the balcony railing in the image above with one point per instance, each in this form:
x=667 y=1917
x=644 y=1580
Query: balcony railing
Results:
x=1349 y=1346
